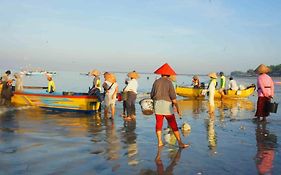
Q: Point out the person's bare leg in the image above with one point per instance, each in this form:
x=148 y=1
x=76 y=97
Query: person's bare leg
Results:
x=105 y=112
x=112 y=111
x=180 y=143
x=159 y=137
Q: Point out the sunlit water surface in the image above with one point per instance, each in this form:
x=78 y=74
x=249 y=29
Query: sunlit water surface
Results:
x=40 y=141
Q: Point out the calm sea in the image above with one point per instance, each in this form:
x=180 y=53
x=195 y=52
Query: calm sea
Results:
x=39 y=141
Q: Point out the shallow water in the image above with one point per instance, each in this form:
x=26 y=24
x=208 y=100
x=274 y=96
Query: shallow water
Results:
x=40 y=141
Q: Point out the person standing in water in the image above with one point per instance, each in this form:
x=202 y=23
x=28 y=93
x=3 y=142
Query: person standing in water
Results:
x=111 y=88
x=211 y=90
x=97 y=85
x=265 y=86
x=164 y=97
x=131 y=90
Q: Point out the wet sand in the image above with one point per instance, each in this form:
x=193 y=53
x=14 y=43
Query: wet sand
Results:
x=35 y=141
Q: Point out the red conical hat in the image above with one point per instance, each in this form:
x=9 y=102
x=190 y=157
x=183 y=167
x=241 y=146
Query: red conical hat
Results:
x=165 y=69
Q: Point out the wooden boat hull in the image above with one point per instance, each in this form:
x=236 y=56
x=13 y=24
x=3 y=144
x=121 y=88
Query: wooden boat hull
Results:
x=190 y=92
x=83 y=103
x=196 y=93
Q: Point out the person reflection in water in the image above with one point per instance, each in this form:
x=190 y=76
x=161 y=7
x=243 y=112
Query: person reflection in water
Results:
x=112 y=139
x=160 y=166
x=129 y=137
x=212 y=138
x=266 y=142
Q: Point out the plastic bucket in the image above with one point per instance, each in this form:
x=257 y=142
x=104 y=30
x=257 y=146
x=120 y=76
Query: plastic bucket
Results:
x=147 y=106
x=272 y=107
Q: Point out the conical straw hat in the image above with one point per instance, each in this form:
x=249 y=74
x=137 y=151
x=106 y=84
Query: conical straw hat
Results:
x=196 y=77
x=212 y=75
x=262 y=69
x=111 y=78
x=95 y=72
x=133 y=74
x=165 y=69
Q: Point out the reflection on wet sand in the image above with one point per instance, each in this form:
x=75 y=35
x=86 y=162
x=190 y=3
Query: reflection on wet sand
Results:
x=266 y=144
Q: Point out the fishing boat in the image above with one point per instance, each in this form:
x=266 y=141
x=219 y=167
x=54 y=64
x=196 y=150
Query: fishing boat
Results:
x=199 y=93
x=80 y=102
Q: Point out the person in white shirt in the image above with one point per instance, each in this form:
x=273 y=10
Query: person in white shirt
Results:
x=232 y=84
x=111 y=88
x=131 y=90
x=212 y=89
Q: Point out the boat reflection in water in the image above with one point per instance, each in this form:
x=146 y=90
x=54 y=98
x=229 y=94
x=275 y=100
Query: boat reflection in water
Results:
x=225 y=107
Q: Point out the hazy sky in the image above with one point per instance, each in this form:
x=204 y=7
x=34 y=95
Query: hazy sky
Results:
x=193 y=36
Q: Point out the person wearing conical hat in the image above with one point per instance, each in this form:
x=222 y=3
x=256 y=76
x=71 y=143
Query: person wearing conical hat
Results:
x=110 y=88
x=19 y=82
x=211 y=90
x=265 y=86
x=164 y=97
x=195 y=81
x=97 y=87
x=6 y=89
x=131 y=91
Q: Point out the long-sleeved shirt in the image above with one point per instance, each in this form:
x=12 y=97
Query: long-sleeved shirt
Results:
x=212 y=85
x=265 y=86
x=132 y=86
x=163 y=89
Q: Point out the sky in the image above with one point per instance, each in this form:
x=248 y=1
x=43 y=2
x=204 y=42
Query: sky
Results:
x=193 y=36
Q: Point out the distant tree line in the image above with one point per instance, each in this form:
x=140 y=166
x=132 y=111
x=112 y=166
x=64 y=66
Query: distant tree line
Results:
x=275 y=72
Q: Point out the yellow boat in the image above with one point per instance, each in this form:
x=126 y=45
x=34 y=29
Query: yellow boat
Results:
x=197 y=93
x=190 y=92
x=80 y=102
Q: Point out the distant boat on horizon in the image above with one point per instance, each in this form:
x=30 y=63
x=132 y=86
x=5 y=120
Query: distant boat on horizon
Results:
x=31 y=73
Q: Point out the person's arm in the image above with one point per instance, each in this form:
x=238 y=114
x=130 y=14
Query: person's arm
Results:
x=129 y=86
x=261 y=83
x=152 y=92
x=175 y=103
x=115 y=92
x=272 y=88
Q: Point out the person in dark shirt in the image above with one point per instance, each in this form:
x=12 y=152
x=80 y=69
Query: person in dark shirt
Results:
x=164 y=97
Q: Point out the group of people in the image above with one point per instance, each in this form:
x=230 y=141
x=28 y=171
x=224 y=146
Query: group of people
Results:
x=265 y=90
x=110 y=87
x=7 y=88
x=222 y=86
x=162 y=93
x=6 y=84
